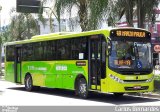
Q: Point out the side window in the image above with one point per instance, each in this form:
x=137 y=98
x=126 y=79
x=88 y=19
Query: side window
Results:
x=27 y=52
x=30 y=52
x=79 y=48
x=63 y=49
x=49 y=50
x=44 y=50
x=53 y=49
x=38 y=51
x=24 y=52
x=10 y=53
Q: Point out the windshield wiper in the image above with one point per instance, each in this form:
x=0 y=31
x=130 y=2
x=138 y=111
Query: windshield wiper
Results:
x=136 y=51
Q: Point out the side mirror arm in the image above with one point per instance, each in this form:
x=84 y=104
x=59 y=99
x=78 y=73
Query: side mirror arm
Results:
x=109 y=46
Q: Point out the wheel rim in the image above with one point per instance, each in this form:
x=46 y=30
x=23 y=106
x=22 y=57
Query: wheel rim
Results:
x=82 y=88
x=29 y=82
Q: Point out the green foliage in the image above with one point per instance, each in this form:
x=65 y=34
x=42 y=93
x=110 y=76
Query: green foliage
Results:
x=98 y=9
x=148 y=7
x=5 y=34
x=130 y=9
x=90 y=12
x=23 y=26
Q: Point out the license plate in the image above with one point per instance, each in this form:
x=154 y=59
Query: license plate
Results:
x=137 y=87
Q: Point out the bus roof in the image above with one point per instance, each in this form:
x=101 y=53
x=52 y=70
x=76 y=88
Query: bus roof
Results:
x=62 y=35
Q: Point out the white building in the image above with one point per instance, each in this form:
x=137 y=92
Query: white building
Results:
x=53 y=26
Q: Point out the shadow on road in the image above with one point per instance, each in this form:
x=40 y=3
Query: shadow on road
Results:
x=99 y=97
x=1 y=92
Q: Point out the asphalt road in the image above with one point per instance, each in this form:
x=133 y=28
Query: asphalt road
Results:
x=12 y=94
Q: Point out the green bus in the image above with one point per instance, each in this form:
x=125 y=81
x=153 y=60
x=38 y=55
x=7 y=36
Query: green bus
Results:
x=116 y=60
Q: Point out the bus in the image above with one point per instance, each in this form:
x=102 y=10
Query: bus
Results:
x=115 y=60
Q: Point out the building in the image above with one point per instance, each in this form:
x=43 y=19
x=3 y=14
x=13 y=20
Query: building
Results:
x=53 y=26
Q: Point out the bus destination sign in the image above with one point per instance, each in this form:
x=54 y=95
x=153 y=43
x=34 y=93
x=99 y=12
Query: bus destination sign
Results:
x=122 y=62
x=125 y=33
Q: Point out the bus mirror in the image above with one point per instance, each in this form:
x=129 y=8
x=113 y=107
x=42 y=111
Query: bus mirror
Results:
x=109 y=46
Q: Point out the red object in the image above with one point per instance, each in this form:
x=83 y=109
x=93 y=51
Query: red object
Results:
x=157 y=48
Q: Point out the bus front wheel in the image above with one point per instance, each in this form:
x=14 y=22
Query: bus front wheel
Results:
x=28 y=83
x=82 y=88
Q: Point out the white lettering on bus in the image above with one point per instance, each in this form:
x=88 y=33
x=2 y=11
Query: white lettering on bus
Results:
x=61 y=67
x=37 y=68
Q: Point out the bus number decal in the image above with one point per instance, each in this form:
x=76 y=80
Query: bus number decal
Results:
x=61 y=68
x=37 y=68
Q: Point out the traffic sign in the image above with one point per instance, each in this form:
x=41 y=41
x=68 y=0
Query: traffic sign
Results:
x=29 y=6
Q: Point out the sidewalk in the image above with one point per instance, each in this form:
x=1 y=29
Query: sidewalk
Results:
x=151 y=95
x=1 y=77
x=156 y=72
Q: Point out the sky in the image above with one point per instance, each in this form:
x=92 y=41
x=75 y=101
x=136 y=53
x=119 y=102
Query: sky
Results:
x=7 y=5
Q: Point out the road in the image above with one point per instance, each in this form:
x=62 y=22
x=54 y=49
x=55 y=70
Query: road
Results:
x=12 y=94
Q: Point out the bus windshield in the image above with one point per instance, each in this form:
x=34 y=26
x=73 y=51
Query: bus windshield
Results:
x=130 y=55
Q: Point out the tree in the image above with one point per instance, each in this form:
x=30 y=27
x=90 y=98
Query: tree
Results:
x=124 y=7
x=90 y=12
x=23 y=26
x=144 y=9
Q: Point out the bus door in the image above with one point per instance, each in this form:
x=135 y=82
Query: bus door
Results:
x=95 y=62
x=17 y=64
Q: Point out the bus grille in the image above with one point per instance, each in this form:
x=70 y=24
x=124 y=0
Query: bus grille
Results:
x=135 y=80
x=132 y=88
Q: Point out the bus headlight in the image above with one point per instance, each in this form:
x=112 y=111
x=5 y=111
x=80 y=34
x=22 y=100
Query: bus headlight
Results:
x=116 y=78
x=149 y=80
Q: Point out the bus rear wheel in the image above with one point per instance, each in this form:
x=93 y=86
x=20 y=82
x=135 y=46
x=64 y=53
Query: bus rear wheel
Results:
x=28 y=83
x=82 y=88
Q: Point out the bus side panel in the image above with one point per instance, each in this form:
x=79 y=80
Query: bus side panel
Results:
x=9 y=71
x=67 y=72
x=37 y=69
x=54 y=74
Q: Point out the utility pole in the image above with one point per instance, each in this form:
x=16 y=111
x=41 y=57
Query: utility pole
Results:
x=0 y=44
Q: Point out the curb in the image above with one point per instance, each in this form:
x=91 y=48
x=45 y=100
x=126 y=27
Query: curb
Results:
x=151 y=95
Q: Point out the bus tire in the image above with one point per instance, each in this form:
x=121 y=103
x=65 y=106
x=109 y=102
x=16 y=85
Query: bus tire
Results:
x=118 y=94
x=82 y=88
x=28 y=83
